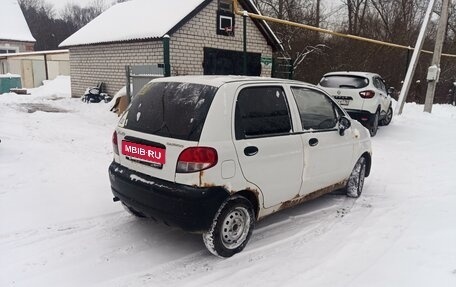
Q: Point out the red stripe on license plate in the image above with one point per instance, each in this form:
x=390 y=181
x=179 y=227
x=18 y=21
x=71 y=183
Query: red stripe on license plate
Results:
x=144 y=152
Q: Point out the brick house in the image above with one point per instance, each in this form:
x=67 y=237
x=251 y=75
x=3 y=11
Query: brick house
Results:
x=206 y=37
x=15 y=35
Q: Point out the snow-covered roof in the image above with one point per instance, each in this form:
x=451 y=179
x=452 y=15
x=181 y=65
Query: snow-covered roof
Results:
x=12 y=22
x=145 y=19
x=133 y=20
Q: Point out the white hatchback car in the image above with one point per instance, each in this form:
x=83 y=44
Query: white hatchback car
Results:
x=214 y=154
x=363 y=95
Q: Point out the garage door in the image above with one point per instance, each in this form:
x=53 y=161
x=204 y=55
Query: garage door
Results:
x=227 y=62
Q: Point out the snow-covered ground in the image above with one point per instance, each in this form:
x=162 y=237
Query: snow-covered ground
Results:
x=59 y=226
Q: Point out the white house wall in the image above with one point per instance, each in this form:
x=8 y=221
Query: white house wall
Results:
x=106 y=63
x=187 y=44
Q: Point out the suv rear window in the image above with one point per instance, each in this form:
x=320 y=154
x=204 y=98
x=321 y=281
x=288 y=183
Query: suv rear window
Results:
x=171 y=109
x=347 y=82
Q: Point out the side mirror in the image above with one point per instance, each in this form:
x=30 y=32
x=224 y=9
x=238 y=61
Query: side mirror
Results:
x=344 y=124
x=391 y=90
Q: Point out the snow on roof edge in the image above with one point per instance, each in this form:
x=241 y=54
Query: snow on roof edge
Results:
x=149 y=21
x=61 y=45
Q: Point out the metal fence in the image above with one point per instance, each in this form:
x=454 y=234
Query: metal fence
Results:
x=138 y=76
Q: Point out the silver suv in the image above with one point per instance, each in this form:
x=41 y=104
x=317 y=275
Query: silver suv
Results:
x=363 y=95
x=213 y=154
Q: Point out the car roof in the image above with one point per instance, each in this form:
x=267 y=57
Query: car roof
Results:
x=351 y=73
x=218 y=81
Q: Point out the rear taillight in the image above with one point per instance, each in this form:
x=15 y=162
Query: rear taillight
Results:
x=115 y=146
x=367 y=94
x=194 y=159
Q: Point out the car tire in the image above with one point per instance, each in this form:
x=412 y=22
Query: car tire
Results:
x=355 y=182
x=231 y=228
x=373 y=125
x=389 y=116
x=133 y=212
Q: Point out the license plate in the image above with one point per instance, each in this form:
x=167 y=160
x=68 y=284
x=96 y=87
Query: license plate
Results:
x=144 y=152
x=343 y=102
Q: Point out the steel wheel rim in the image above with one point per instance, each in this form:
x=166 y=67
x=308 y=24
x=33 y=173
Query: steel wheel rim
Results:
x=389 y=115
x=235 y=228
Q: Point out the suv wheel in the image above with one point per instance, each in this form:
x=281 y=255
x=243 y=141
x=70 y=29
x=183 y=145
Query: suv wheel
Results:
x=232 y=227
x=356 y=180
x=373 y=125
x=389 y=116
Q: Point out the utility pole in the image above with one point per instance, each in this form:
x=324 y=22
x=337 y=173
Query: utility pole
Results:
x=414 y=62
x=434 y=69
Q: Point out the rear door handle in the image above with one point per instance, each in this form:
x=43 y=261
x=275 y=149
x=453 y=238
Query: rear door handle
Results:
x=250 y=150
x=313 y=142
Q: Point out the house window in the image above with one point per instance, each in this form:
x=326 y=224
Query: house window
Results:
x=225 y=5
x=7 y=50
x=225 y=18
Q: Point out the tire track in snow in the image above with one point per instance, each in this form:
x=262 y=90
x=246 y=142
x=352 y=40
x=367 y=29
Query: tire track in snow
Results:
x=268 y=239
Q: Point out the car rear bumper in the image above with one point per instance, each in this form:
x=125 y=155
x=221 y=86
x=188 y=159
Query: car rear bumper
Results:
x=189 y=208
x=361 y=116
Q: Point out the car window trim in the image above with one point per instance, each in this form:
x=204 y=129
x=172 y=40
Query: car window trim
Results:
x=317 y=131
x=268 y=136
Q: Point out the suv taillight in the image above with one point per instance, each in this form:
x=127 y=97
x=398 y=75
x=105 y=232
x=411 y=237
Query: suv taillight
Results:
x=194 y=159
x=115 y=146
x=367 y=94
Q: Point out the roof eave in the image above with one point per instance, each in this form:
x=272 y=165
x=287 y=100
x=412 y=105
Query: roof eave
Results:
x=150 y=39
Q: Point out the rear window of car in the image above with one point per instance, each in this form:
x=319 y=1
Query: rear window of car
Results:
x=171 y=109
x=345 y=82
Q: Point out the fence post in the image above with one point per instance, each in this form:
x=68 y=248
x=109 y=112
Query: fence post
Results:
x=127 y=74
x=290 y=71
x=166 y=57
x=46 y=69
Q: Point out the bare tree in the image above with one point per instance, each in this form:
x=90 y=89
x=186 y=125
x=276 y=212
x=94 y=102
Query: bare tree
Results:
x=79 y=16
x=400 y=18
x=356 y=12
x=298 y=43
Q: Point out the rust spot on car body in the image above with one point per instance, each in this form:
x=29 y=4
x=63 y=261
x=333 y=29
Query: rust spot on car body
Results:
x=300 y=199
x=201 y=174
x=254 y=191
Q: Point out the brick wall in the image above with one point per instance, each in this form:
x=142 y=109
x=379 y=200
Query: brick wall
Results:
x=92 y=64
x=106 y=63
x=187 y=44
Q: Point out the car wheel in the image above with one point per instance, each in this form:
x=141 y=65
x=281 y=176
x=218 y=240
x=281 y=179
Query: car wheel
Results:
x=133 y=212
x=373 y=125
x=232 y=227
x=389 y=116
x=356 y=180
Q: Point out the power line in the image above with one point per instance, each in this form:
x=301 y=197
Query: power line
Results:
x=327 y=31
